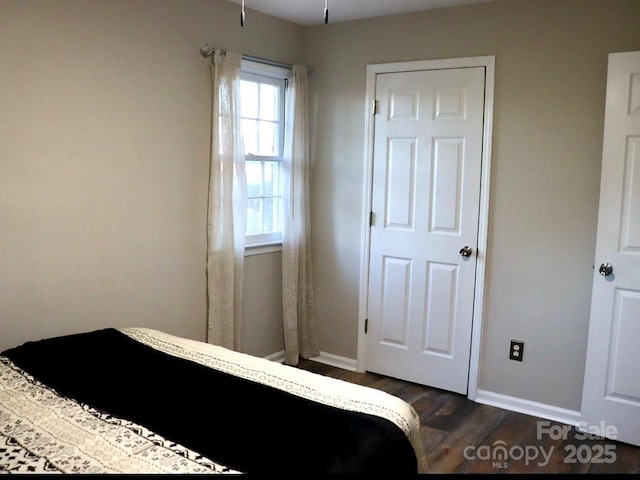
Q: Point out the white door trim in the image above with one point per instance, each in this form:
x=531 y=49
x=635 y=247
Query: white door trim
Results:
x=488 y=62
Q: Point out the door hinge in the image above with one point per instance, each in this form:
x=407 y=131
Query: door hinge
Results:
x=375 y=107
x=366 y=325
x=371 y=219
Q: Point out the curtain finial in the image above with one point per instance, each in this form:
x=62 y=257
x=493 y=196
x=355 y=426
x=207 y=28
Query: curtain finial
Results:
x=206 y=50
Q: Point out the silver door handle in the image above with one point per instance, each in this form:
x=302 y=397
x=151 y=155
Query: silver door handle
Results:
x=466 y=251
x=606 y=269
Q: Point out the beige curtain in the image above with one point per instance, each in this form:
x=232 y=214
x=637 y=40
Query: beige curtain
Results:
x=297 y=280
x=226 y=225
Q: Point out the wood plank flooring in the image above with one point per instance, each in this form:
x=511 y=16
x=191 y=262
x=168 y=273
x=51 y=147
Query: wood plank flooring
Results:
x=461 y=436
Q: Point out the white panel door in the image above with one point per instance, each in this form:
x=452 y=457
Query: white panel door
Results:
x=427 y=157
x=612 y=373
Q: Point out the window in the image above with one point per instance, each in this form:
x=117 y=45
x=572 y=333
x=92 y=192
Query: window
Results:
x=262 y=99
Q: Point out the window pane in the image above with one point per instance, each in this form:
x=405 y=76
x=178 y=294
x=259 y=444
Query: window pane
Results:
x=267 y=139
x=250 y=136
x=268 y=102
x=254 y=178
x=254 y=216
x=249 y=99
x=271 y=178
x=277 y=214
x=270 y=216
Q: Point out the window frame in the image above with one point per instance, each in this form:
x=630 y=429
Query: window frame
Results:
x=279 y=77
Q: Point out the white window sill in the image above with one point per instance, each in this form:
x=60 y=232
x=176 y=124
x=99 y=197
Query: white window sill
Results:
x=262 y=249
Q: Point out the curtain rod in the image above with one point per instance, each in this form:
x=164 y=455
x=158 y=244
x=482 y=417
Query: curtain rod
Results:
x=207 y=50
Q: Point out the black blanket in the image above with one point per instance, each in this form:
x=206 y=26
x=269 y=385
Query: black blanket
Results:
x=239 y=423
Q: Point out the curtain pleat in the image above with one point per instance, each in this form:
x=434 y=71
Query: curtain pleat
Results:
x=297 y=276
x=226 y=223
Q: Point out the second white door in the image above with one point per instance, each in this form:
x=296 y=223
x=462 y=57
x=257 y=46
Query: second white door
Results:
x=427 y=160
x=611 y=396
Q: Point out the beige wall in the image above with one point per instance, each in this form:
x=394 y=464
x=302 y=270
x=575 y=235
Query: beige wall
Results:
x=551 y=61
x=262 y=305
x=103 y=161
x=104 y=114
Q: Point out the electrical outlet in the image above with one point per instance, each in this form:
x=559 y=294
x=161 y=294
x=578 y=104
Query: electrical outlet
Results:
x=516 y=351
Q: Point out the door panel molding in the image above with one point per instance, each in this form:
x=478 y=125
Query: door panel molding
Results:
x=450 y=103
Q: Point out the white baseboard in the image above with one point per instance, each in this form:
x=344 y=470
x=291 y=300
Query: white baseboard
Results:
x=336 y=361
x=325 y=358
x=549 y=412
x=276 y=357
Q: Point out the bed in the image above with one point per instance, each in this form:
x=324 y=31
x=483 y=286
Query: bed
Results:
x=138 y=400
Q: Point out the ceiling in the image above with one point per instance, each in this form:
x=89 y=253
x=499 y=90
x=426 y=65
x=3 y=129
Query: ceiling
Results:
x=311 y=12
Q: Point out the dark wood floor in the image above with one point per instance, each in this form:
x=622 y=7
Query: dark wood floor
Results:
x=461 y=436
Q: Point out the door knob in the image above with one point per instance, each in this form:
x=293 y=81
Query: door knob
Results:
x=606 y=269
x=466 y=251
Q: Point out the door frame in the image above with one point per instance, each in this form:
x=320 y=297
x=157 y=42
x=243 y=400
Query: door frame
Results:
x=488 y=62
